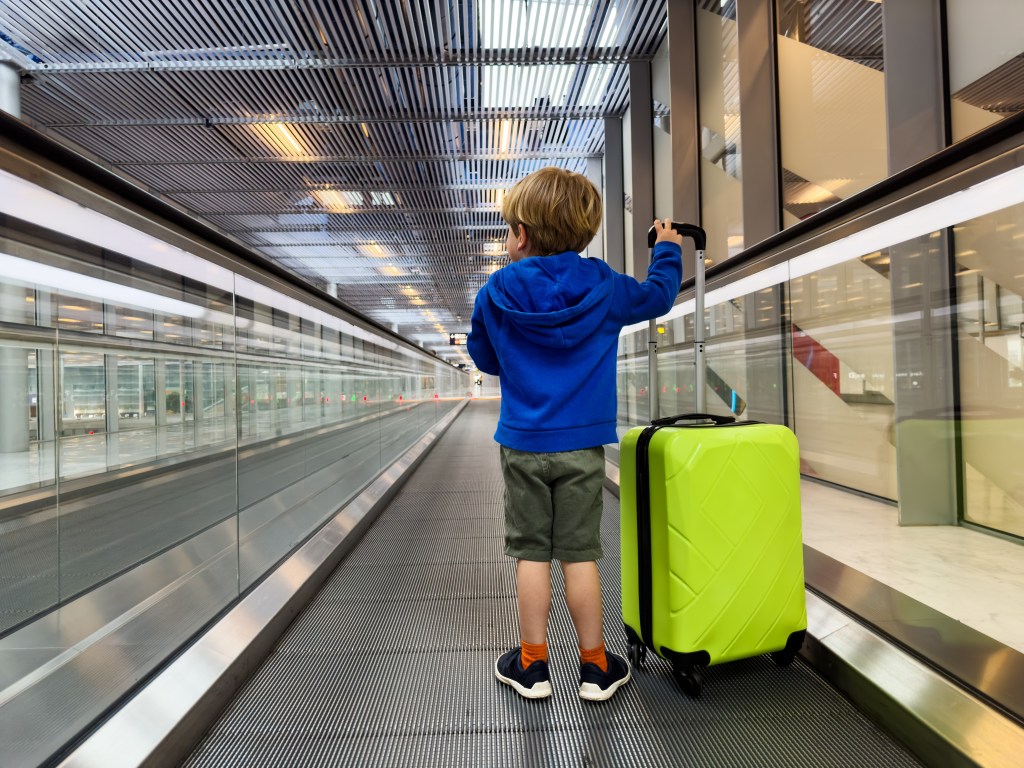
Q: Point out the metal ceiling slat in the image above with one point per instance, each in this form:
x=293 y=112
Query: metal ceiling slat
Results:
x=57 y=26
x=247 y=148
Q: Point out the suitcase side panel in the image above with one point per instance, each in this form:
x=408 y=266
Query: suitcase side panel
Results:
x=628 y=529
x=731 y=565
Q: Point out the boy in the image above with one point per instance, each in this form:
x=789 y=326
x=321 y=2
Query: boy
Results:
x=548 y=326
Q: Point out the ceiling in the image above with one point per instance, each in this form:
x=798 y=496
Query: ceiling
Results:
x=365 y=145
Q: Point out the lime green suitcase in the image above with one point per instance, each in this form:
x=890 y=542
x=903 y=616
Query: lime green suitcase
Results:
x=712 y=555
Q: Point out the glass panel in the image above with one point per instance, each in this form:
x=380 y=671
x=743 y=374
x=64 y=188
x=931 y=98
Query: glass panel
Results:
x=153 y=440
x=986 y=62
x=28 y=489
x=631 y=381
x=721 y=152
x=990 y=286
x=831 y=102
x=842 y=375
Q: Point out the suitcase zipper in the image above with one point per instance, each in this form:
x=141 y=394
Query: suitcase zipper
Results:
x=643 y=534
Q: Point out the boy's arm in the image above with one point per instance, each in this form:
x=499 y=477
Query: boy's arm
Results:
x=657 y=293
x=478 y=343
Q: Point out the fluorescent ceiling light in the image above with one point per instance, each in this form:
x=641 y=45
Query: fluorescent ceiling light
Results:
x=505 y=136
x=985 y=197
x=27 y=201
x=335 y=201
x=283 y=141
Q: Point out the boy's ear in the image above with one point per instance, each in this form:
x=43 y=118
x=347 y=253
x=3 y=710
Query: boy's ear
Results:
x=523 y=237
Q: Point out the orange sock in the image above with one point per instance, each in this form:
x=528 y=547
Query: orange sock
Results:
x=533 y=652
x=595 y=656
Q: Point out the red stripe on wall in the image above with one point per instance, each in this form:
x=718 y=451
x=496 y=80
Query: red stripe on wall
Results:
x=815 y=358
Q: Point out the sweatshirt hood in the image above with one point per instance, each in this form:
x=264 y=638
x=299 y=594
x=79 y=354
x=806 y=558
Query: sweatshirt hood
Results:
x=556 y=301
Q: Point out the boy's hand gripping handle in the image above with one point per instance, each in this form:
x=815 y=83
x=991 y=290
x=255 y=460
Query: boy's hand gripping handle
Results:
x=698 y=235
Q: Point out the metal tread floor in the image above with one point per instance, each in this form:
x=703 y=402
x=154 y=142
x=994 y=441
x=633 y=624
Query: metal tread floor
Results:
x=392 y=663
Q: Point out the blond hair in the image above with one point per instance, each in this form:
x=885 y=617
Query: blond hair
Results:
x=561 y=210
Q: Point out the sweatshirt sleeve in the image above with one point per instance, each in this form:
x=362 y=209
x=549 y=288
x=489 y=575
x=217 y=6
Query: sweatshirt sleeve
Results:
x=478 y=343
x=655 y=296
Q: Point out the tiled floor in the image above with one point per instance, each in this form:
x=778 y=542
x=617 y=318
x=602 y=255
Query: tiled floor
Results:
x=973 y=577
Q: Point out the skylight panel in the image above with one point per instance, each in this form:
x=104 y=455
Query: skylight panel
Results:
x=595 y=86
x=516 y=86
x=611 y=30
x=533 y=23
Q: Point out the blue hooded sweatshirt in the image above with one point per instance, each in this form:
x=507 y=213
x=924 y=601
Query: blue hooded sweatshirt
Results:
x=548 y=327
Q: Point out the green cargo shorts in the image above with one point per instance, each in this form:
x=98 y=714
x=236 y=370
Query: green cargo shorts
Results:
x=553 y=504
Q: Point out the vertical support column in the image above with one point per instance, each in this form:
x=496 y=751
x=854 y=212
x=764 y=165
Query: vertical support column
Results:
x=112 y=421
x=160 y=404
x=641 y=144
x=682 y=56
x=924 y=366
x=198 y=402
x=614 y=192
x=276 y=418
x=596 y=248
x=229 y=411
x=915 y=106
x=758 y=106
x=46 y=402
x=924 y=335
x=293 y=397
x=14 y=407
x=762 y=176
x=111 y=408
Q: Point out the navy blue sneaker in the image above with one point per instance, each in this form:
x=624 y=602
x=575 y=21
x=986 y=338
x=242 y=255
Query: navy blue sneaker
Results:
x=531 y=683
x=596 y=685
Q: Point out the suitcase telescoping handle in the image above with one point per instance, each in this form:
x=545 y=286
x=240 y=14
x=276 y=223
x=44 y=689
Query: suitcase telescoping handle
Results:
x=695 y=233
x=700 y=241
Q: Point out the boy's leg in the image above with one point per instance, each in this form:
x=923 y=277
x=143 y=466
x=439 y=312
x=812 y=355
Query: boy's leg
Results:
x=533 y=598
x=583 y=597
x=527 y=538
x=525 y=667
x=601 y=672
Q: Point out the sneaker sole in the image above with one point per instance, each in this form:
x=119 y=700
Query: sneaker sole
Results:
x=594 y=692
x=539 y=690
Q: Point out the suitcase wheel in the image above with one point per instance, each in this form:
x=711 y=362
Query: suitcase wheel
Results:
x=784 y=657
x=637 y=654
x=690 y=680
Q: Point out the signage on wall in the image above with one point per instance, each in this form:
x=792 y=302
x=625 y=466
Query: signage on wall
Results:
x=457 y=339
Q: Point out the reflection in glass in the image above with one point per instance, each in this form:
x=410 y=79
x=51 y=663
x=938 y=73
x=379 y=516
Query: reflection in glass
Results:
x=721 y=147
x=989 y=253
x=831 y=102
x=842 y=375
x=986 y=62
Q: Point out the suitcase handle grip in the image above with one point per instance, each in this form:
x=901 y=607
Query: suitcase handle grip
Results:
x=668 y=421
x=700 y=238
